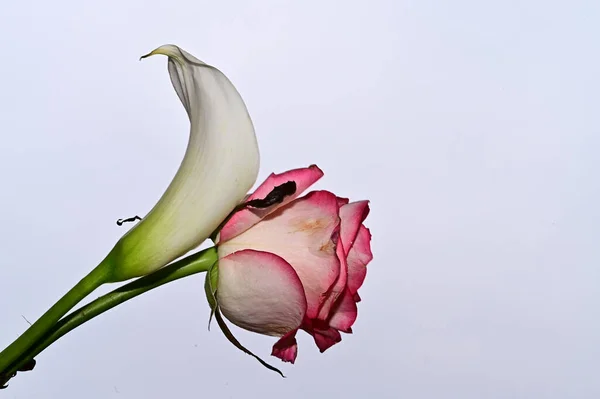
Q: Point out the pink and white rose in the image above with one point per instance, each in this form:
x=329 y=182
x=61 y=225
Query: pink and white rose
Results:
x=295 y=265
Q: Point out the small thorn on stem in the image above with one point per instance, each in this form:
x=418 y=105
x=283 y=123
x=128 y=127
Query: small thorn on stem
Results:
x=4 y=377
x=28 y=366
x=128 y=220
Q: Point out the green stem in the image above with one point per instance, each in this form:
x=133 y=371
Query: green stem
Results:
x=193 y=264
x=37 y=330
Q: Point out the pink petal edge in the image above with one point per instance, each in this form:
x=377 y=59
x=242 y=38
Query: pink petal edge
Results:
x=352 y=215
x=358 y=258
x=246 y=218
x=345 y=313
x=325 y=339
x=338 y=287
x=260 y=292
x=286 y=348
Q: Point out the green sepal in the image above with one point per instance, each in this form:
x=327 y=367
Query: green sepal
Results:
x=227 y=332
x=210 y=288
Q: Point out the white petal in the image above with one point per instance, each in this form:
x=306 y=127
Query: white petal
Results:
x=300 y=232
x=261 y=292
x=219 y=167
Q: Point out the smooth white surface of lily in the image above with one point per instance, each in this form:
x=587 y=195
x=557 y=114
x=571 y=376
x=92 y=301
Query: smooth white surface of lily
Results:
x=219 y=167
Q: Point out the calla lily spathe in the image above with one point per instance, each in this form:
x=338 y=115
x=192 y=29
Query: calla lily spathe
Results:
x=219 y=167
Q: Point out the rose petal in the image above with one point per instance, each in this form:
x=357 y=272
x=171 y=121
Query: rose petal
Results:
x=352 y=216
x=345 y=313
x=286 y=348
x=301 y=233
x=260 y=292
x=342 y=201
x=359 y=256
x=338 y=287
x=248 y=217
x=325 y=339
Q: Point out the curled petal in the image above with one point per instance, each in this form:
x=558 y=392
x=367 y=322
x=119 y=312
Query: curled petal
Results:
x=325 y=339
x=219 y=167
x=260 y=292
x=344 y=314
x=342 y=201
x=248 y=217
x=352 y=215
x=359 y=256
x=338 y=287
x=301 y=233
x=286 y=348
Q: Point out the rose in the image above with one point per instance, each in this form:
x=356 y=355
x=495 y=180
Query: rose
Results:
x=295 y=265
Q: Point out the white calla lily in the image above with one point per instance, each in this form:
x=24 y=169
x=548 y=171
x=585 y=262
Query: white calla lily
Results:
x=219 y=167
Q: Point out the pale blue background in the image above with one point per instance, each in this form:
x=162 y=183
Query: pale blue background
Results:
x=472 y=126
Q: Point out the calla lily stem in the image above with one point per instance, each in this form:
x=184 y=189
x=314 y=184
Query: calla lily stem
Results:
x=193 y=264
x=37 y=330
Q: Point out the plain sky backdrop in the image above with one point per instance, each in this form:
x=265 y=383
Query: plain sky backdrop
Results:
x=472 y=126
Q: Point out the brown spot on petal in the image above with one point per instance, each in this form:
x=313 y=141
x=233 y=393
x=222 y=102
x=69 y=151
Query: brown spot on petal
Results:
x=311 y=225
x=328 y=247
